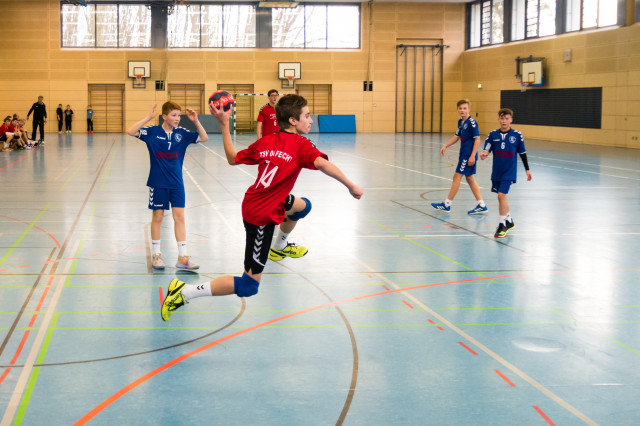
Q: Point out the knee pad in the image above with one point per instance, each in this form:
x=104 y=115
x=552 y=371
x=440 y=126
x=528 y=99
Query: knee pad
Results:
x=303 y=213
x=245 y=286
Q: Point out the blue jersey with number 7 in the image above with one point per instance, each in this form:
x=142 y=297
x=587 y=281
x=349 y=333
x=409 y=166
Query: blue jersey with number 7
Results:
x=166 y=154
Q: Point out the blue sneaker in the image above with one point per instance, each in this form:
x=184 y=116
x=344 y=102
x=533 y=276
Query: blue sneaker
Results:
x=441 y=206
x=478 y=209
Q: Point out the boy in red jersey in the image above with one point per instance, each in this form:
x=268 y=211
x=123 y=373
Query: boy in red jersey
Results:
x=280 y=158
x=267 y=121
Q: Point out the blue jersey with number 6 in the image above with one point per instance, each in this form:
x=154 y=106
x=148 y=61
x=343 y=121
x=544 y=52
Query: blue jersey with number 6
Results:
x=166 y=154
x=504 y=146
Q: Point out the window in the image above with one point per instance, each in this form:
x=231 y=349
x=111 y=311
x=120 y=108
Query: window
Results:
x=108 y=25
x=317 y=26
x=535 y=18
x=212 y=26
x=486 y=23
x=583 y=14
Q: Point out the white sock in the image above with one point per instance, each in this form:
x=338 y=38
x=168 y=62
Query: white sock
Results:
x=156 y=246
x=481 y=203
x=182 y=248
x=502 y=220
x=508 y=217
x=281 y=240
x=447 y=202
x=192 y=291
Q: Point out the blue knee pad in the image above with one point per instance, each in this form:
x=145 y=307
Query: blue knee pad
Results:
x=304 y=212
x=245 y=286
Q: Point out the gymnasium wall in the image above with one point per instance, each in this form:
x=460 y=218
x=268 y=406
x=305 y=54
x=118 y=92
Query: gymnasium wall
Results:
x=607 y=58
x=34 y=64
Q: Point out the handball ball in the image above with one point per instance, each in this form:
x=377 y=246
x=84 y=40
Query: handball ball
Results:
x=223 y=98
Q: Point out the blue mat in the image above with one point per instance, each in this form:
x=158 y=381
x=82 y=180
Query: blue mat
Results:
x=337 y=123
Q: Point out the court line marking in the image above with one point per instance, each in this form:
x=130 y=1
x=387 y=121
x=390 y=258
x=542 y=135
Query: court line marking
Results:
x=489 y=352
x=211 y=203
x=23 y=158
x=586 y=164
x=18 y=391
x=26 y=231
x=225 y=160
x=113 y=398
x=586 y=171
x=37 y=227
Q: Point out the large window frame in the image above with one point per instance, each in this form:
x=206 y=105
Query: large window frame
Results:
x=317 y=26
x=100 y=20
x=103 y=24
x=531 y=19
x=212 y=23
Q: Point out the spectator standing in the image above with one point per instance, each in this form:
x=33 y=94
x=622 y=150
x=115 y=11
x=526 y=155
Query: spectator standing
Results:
x=39 y=110
x=68 y=117
x=60 y=116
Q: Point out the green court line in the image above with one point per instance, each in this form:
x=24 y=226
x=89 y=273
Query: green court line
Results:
x=22 y=409
x=424 y=247
x=106 y=173
x=611 y=339
x=73 y=174
x=26 y=397
x=26 y=231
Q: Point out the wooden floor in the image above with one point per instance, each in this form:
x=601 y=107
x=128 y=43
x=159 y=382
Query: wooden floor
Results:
x=399 y=314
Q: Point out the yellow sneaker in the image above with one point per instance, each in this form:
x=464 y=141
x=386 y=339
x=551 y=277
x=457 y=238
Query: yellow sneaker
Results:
x=174 y=299
x=291 y=250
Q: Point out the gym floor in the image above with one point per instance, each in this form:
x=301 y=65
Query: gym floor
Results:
x=399 y=314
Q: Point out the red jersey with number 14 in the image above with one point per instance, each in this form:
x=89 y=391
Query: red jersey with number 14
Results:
x=280 y=158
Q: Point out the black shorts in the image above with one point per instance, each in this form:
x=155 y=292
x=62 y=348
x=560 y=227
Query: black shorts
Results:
x=258 y=244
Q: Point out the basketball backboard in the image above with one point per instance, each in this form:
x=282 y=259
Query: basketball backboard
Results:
x=138 y=68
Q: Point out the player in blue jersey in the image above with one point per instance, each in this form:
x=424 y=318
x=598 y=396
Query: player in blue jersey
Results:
x=505 y=142
x=468 y=134
x=167 y=145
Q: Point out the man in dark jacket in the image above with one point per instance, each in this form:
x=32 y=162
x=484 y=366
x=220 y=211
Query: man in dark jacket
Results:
x=39 y=118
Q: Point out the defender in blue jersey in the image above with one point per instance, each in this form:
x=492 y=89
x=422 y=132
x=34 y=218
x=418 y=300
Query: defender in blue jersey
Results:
x=167 y=145
x=505 y=143
x=468 y=134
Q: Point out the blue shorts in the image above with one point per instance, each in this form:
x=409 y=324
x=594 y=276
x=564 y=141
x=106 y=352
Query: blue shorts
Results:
x=501 y=186
x=163 y=198
x=465 y=169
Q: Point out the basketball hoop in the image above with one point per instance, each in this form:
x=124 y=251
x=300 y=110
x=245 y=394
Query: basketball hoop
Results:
x=289 y=82
x=139 y=79
x=525 y=84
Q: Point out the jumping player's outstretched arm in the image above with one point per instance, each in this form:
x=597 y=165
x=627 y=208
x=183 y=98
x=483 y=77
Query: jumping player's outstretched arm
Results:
x=202 y=134
x=223 y=118
x=135 y=129
x=330 y=169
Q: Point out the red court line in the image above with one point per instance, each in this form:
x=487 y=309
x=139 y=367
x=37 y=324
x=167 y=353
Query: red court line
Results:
x=440 y=328
x=407 y=304
x=467 y=348
x=544 y=416
x=506 y=379
x=23 y=266
x=20 y=346
x=113 y=398
x=4 y=375
x=386 y=288
x=161 y=296
x=23 y=158
x=37 y=227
